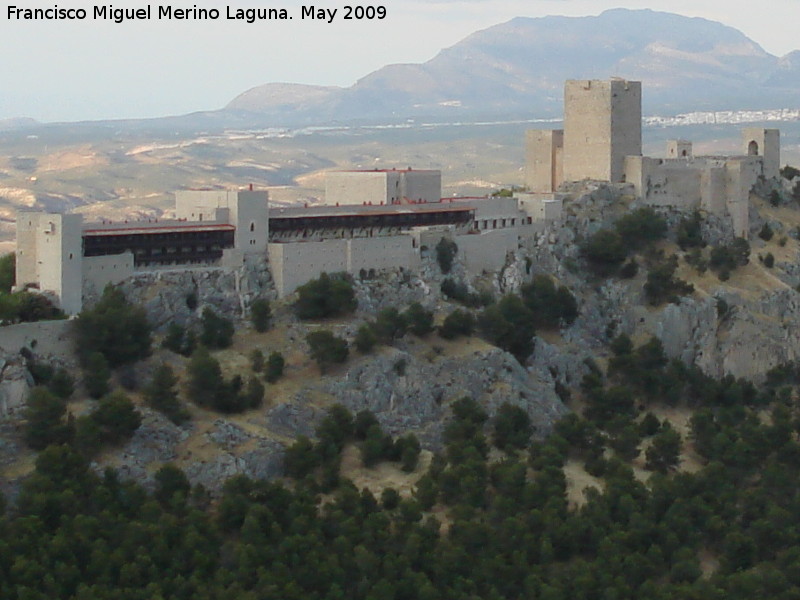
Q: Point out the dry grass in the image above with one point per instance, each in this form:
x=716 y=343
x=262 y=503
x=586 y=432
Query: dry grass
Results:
x=577 y=481
x=383 y=475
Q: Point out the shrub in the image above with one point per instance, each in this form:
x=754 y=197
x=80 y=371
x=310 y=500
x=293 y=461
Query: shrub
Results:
x=116 y=417
x=549 y=304
x=96 y=375
x=326 y=296
x=407 y=450
x=418 y=320
x=446 y=251
x=275 y=366
x=44 y=420
x=664 y=453
x=204 y=378
x=789 y=172
x=162 y=396
x=8 y=272
x=604 y=251
x=365 y=338
x=662 y=285
x=460 y=293
x=727 y=258
x=115 y=328
x=61 y=384
x=257 y=361
x=260 y=314
x=301 y=458
x=180 y=340
x=629 y=269
x=769 y=260
x=766 y=232
x=641 y=227
x=216 y=331
x=689 y=233
x=457 y=323
x=326 y=349
x=389 y=325
x=512 y=428
x=170 y=480
x=509 y=324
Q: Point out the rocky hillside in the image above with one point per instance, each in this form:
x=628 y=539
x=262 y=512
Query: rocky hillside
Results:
x=742 y=323
x=519 y=67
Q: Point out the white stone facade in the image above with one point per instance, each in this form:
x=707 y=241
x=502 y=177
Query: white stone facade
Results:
x=383 y=186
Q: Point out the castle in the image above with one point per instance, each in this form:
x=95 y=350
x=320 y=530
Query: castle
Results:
x=602 y=139
x=387 y=219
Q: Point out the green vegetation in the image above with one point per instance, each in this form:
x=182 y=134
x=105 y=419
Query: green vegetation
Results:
x=26 y=307
x=96 y=375
x=162 y=395
x=607 y=249
x=275 y=366
x=509 y=324
x=725 y=259
x=115 y=328
x=460 y=293
x=457 y=323
x=662 y=285
x=208 y=388
x=8 y=272
x=113 y=420
x=260 y=314
x=180 y=340
x=327 y=296
x=511 y=532
x=549 y=304
x=446 y=251
x=215 y=331
x=418 y=319
x=327 y=349
x=689 y=233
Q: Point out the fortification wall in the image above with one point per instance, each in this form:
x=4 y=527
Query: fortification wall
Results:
x=294 y=264
x=358 y=187
x=425 y=185
x=100 y=271
x=46 y=338
x=487 y=251
x=544 y=168
x=742 y=174
x=542 y=207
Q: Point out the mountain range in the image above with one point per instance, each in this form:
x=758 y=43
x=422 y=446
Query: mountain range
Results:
x=518 y=68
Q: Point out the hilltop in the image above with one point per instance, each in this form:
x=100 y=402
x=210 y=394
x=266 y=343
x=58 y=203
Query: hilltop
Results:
x=518 y=68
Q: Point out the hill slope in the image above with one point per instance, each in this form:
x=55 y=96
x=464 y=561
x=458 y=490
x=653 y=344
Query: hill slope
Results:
x=519 y=66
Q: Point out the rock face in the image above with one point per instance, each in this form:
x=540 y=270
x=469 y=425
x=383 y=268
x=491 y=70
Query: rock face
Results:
x=409 y=393
x=15 y=383
x=179 y=296
x=232 y=452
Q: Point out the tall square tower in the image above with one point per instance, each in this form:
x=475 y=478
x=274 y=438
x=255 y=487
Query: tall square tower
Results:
x=602 y=125
x=766 y=143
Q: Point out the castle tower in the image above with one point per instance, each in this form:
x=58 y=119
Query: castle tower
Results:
x=544 y=167
x=766 y=143
x=49 y=256
x=679 y=149
x=602 y=125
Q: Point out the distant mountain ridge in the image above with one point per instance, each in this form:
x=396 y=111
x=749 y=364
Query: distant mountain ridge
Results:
x=519 y=67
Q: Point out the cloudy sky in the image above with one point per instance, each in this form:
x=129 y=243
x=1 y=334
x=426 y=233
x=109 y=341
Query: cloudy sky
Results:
x=62 y=70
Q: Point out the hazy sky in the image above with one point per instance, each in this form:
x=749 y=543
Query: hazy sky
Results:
x=72 y=70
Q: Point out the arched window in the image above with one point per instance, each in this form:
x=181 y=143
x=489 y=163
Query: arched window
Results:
x=252 y=226
x=752 y=148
